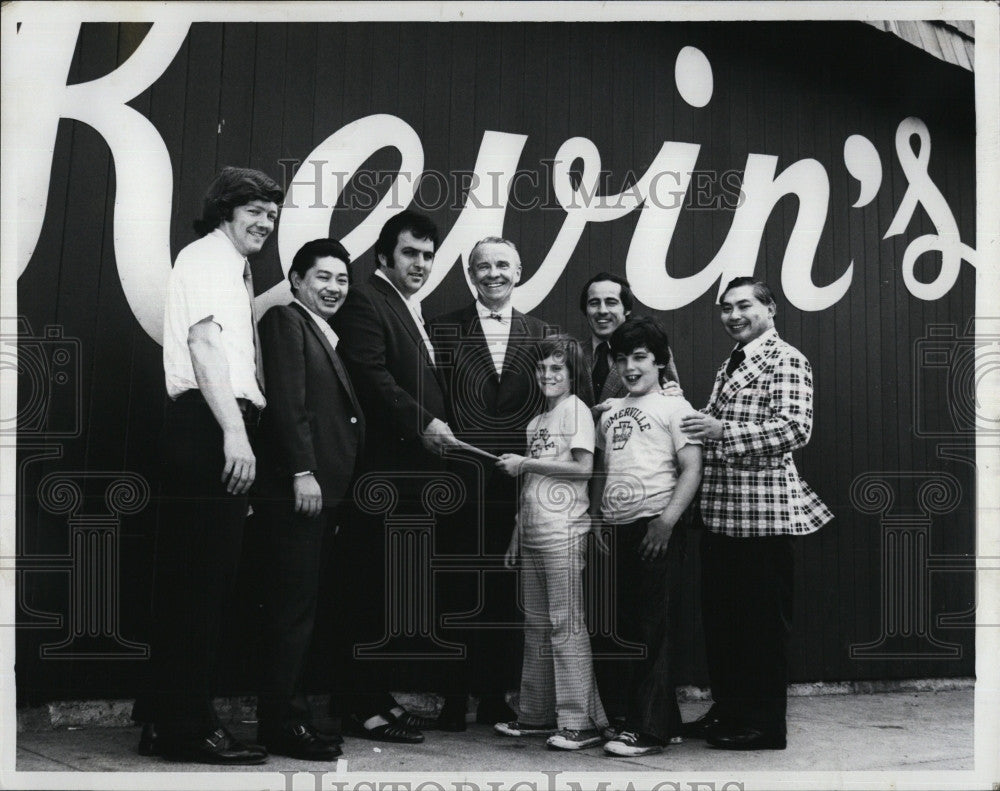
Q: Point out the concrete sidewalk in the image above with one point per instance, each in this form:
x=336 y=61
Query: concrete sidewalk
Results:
x=904 y=730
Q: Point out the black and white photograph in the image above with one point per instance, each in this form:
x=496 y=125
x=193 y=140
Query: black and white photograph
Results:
x=513 y=396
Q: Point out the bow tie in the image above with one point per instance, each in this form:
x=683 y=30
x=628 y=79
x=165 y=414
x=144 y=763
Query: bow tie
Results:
x=496 y=316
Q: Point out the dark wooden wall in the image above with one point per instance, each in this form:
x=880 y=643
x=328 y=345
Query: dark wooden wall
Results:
x=795 y=90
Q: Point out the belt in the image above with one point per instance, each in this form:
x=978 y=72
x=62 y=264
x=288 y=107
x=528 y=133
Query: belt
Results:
x=251 y=412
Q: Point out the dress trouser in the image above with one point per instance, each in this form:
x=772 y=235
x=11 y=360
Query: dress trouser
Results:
x=477 y=595
x=746 y=600
x=557 y=675
x=293 y=558
x=199 y=540
x=646 y=609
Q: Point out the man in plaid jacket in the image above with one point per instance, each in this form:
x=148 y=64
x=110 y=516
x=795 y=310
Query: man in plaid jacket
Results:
x=752 y=503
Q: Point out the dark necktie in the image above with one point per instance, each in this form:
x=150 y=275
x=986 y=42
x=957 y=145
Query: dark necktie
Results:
x=601 y=368
x=258 y=357
x=735 y=359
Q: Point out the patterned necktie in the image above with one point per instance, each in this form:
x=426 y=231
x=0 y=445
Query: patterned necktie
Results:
x=735 y=359
x=601 y=368
x=258 y=358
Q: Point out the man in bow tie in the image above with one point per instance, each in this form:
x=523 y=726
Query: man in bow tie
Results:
x=488 y=354
x=753 y=503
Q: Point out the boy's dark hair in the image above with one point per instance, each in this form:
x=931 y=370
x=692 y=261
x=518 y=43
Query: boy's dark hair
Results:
x=419 y=225
x=642 y=331
x=307 y=256
x=761 y=290
x=569 y=349
x=628 y=300
x=232 y=188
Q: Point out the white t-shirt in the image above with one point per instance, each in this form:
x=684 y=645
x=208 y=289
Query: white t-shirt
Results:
x=207 y=280
x=640 y=438
x=554 y=508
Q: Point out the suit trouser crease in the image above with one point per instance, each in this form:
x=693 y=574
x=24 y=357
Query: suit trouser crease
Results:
x=200 y=535
x=746 y=591
x=557 y=675
x=294 y=555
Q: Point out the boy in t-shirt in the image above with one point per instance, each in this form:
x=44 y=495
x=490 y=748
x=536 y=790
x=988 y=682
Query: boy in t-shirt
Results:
x=651 y=474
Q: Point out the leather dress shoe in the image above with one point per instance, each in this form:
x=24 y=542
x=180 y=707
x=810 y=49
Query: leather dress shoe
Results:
x=452 y=716
x=493 y=709
x=414 y=721
x=745 y=739
x=300 y=741
x=392 y=731
x=701 y=727
x=218 y=746
x=149 y=740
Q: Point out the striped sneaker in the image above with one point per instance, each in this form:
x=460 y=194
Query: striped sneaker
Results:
x=516 y=728
x=568 y=739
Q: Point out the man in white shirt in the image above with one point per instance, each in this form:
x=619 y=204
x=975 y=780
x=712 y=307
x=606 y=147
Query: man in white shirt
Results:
x=489 y=350
x=215 y=386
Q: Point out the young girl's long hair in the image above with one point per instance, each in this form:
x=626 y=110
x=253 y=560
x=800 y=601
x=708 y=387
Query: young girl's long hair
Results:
x=569 y=349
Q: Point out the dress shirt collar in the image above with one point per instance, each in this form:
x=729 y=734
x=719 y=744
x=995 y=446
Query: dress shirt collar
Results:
x=324 y=325
x=506 y=313
x=237 y=255
x=757 y=342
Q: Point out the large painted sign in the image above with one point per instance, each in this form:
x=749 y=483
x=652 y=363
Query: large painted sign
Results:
x=41 y=55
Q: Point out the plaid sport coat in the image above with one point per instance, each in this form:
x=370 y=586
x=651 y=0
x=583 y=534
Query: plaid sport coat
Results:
x=750 y=486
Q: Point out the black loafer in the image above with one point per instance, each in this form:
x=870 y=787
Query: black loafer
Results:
x=149 y=740
x=216 y=747
x=746 y=739
x=414 y=721
x=701 y=727
x=390 y=732
x=300 y=741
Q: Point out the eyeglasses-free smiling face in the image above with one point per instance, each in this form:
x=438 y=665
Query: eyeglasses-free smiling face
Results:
x=322 y=289
x=605 y=311
x=412 y=261
x=639 y=371
x=744 y=316
x=552 y=376
x=494 y=271
x=250 y=226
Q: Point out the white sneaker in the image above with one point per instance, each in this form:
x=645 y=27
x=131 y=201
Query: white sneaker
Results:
x=568 y=739
x=631 y=743
x=515 y=728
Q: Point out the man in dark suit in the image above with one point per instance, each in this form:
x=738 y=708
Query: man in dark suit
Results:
x=753 y=504
x=488 y=351
x=392 y=363
x=606 y=301
x=312 y=433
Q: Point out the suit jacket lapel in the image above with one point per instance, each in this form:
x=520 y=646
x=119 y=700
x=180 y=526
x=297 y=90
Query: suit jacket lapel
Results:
x=406 y=319
x=331 y=353
x=746 y=372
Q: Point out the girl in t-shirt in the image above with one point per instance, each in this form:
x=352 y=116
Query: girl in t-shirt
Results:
x=558 y=688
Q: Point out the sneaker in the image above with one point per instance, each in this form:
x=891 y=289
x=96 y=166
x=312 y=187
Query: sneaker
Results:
x=632 y=743
x=568 y=739
x=515 y=728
